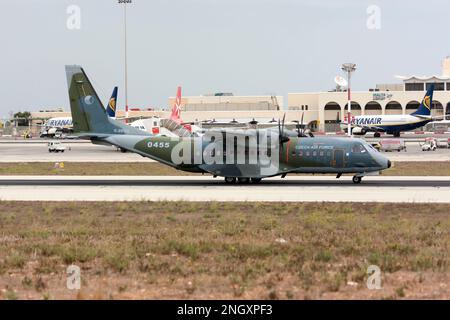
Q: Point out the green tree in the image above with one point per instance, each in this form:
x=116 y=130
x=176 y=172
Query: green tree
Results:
x=21 y=118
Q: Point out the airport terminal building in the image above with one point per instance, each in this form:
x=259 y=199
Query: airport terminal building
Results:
x=321 y=109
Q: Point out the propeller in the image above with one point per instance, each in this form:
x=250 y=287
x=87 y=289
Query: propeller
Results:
x=283 y=137
x=301 y=128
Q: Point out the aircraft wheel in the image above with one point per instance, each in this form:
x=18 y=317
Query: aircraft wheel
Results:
x=357 y=179
x=230 y=180
x=256 y=180
x=243 y=180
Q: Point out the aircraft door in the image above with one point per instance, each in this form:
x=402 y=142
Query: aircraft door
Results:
x=338 y=158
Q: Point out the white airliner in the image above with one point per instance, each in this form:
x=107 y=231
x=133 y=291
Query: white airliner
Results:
x=172 y=127
x=393 y=124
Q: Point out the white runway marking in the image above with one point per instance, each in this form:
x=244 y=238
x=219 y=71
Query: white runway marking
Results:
x=295 y=188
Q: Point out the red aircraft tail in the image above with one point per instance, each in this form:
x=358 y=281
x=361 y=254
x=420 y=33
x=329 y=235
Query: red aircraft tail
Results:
x=176 y=109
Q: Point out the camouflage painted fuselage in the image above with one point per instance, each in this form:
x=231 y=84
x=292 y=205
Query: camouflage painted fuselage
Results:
x=298 y=155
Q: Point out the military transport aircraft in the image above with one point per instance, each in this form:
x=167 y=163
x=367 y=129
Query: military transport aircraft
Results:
x=236 y=155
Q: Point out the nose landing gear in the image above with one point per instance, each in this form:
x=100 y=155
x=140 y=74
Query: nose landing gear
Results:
x=357 y=179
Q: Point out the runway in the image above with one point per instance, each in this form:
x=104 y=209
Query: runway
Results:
x=206 y=188
x=84 y=151
x=75 y=152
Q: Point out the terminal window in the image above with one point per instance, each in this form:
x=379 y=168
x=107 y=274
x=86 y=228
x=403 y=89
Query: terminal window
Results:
x=438 y=86
x=413 y=86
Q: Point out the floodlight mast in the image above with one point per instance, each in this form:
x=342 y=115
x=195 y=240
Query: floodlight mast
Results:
x=125 y=55
x=349 y=68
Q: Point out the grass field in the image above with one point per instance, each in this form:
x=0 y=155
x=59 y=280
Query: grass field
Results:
x=157 y=169
x=223 y=250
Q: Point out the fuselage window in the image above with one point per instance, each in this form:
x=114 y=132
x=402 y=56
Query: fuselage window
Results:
x=358 y=148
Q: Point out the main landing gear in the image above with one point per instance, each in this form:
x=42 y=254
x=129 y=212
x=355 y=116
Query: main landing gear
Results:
x=232 y=180
x=357 y=179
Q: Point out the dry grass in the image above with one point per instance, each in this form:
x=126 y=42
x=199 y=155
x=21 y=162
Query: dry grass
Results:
x=156 y=169
x=415 y=168
x=90 y=168
x=223 y=250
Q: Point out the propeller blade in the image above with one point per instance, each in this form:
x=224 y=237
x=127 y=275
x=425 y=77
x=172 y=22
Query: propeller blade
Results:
x=303 y=128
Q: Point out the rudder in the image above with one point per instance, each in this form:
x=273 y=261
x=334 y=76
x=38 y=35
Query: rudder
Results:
x=425 y=106
x=88 y=114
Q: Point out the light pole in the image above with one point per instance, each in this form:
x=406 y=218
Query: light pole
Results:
x=125 y=56
x=349 y=68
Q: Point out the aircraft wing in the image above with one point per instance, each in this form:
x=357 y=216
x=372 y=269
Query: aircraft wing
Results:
x=437 y=117
x=425 y=117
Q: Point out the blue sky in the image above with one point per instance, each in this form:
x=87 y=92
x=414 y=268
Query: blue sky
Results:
x=248 y=47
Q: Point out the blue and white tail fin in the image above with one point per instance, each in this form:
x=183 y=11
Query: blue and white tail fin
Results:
x=111 y=108
x=425 y=107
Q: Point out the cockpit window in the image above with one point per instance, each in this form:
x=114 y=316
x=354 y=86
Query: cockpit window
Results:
x=358 y=148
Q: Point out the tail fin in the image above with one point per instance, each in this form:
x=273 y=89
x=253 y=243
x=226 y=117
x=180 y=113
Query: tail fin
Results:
x=176 y=109
x=88 y=115
x=425 y=107
x=111 y=108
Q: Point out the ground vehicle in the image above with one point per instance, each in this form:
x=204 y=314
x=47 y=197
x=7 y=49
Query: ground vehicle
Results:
x=56 y=146
x=392 y=145
x=429 y=145
x=442 y=143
